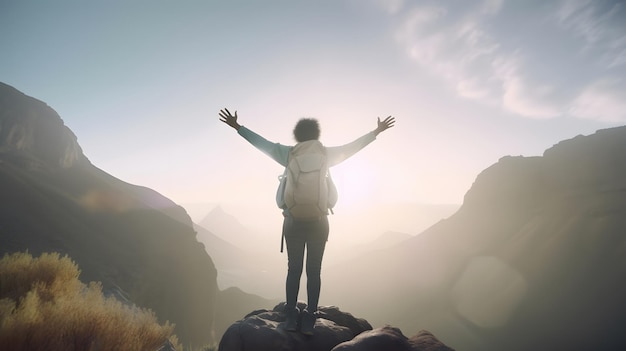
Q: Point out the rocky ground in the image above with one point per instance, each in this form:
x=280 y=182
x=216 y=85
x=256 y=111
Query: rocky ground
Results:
x=334 y=331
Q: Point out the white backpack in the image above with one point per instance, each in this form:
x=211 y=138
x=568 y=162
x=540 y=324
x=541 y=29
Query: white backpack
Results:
x=306 y=189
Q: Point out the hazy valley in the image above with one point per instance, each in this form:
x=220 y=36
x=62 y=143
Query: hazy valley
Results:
x=251 y=260
x=534 y=258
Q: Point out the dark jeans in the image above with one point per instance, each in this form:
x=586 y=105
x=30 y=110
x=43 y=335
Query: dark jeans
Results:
x=298 y=235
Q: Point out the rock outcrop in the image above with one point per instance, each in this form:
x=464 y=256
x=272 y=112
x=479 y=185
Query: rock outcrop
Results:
x=33 y=132
x=334 y=330
x=263 y=330
x=391 y=339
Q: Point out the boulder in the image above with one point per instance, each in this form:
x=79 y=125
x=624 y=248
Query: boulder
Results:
x=391 y=339
x=263 y=330
x=386 y=338
x=334 y=331
x=426 y=341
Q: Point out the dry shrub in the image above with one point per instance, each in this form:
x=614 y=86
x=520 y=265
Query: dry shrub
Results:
x=43 y=306
x=50 y=275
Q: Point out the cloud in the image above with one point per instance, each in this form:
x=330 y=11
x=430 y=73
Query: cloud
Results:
x=390 y=6
x=491 y=6
x=542 y=61
x=462 y=51
x=603 y=100
x=456 y=51
x=599 y=24
x=521 y=97
x=471 y=88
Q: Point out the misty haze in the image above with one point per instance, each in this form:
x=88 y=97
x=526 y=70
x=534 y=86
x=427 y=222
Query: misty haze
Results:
x=478 y=150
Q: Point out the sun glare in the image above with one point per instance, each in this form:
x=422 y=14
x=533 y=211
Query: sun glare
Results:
x=356 y=183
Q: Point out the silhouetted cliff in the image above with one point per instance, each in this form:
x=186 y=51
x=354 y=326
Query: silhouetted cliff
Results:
x=138 y=243
x=534 y=258
x=32 y=131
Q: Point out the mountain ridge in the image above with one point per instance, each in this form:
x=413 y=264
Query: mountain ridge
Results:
x=139 y=244
x=534 y=234
x=34 y=133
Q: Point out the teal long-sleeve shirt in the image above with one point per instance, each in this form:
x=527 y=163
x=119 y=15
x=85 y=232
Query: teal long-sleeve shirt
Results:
x=280 y=153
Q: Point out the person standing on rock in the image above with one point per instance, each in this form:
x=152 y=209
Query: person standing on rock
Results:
x=305 y=224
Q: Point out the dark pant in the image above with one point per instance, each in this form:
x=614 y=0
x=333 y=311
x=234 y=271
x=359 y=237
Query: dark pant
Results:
x=298 y=235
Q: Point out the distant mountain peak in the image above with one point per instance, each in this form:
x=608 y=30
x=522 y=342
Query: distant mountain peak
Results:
x=229 y=228
x=219 y=214
x=218 y=210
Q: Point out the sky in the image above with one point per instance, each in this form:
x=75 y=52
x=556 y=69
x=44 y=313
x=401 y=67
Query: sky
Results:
x=141 y=83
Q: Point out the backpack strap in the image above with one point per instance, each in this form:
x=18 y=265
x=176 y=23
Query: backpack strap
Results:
x=282 y=237
x=282 y=241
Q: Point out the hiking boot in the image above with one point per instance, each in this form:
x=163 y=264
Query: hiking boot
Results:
x=291 y=323
x=308 y=322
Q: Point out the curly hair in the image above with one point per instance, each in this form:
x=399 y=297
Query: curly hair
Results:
x=306 y=129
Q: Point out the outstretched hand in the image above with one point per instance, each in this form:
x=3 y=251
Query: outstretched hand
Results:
x=385 y=124
x=229 y=119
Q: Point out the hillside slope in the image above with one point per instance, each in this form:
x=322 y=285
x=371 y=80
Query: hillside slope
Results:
x=534 y=259
x=138 y=243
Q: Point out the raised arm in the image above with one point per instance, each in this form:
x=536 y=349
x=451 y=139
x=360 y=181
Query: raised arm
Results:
x=338 y=154
x=278 y=152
